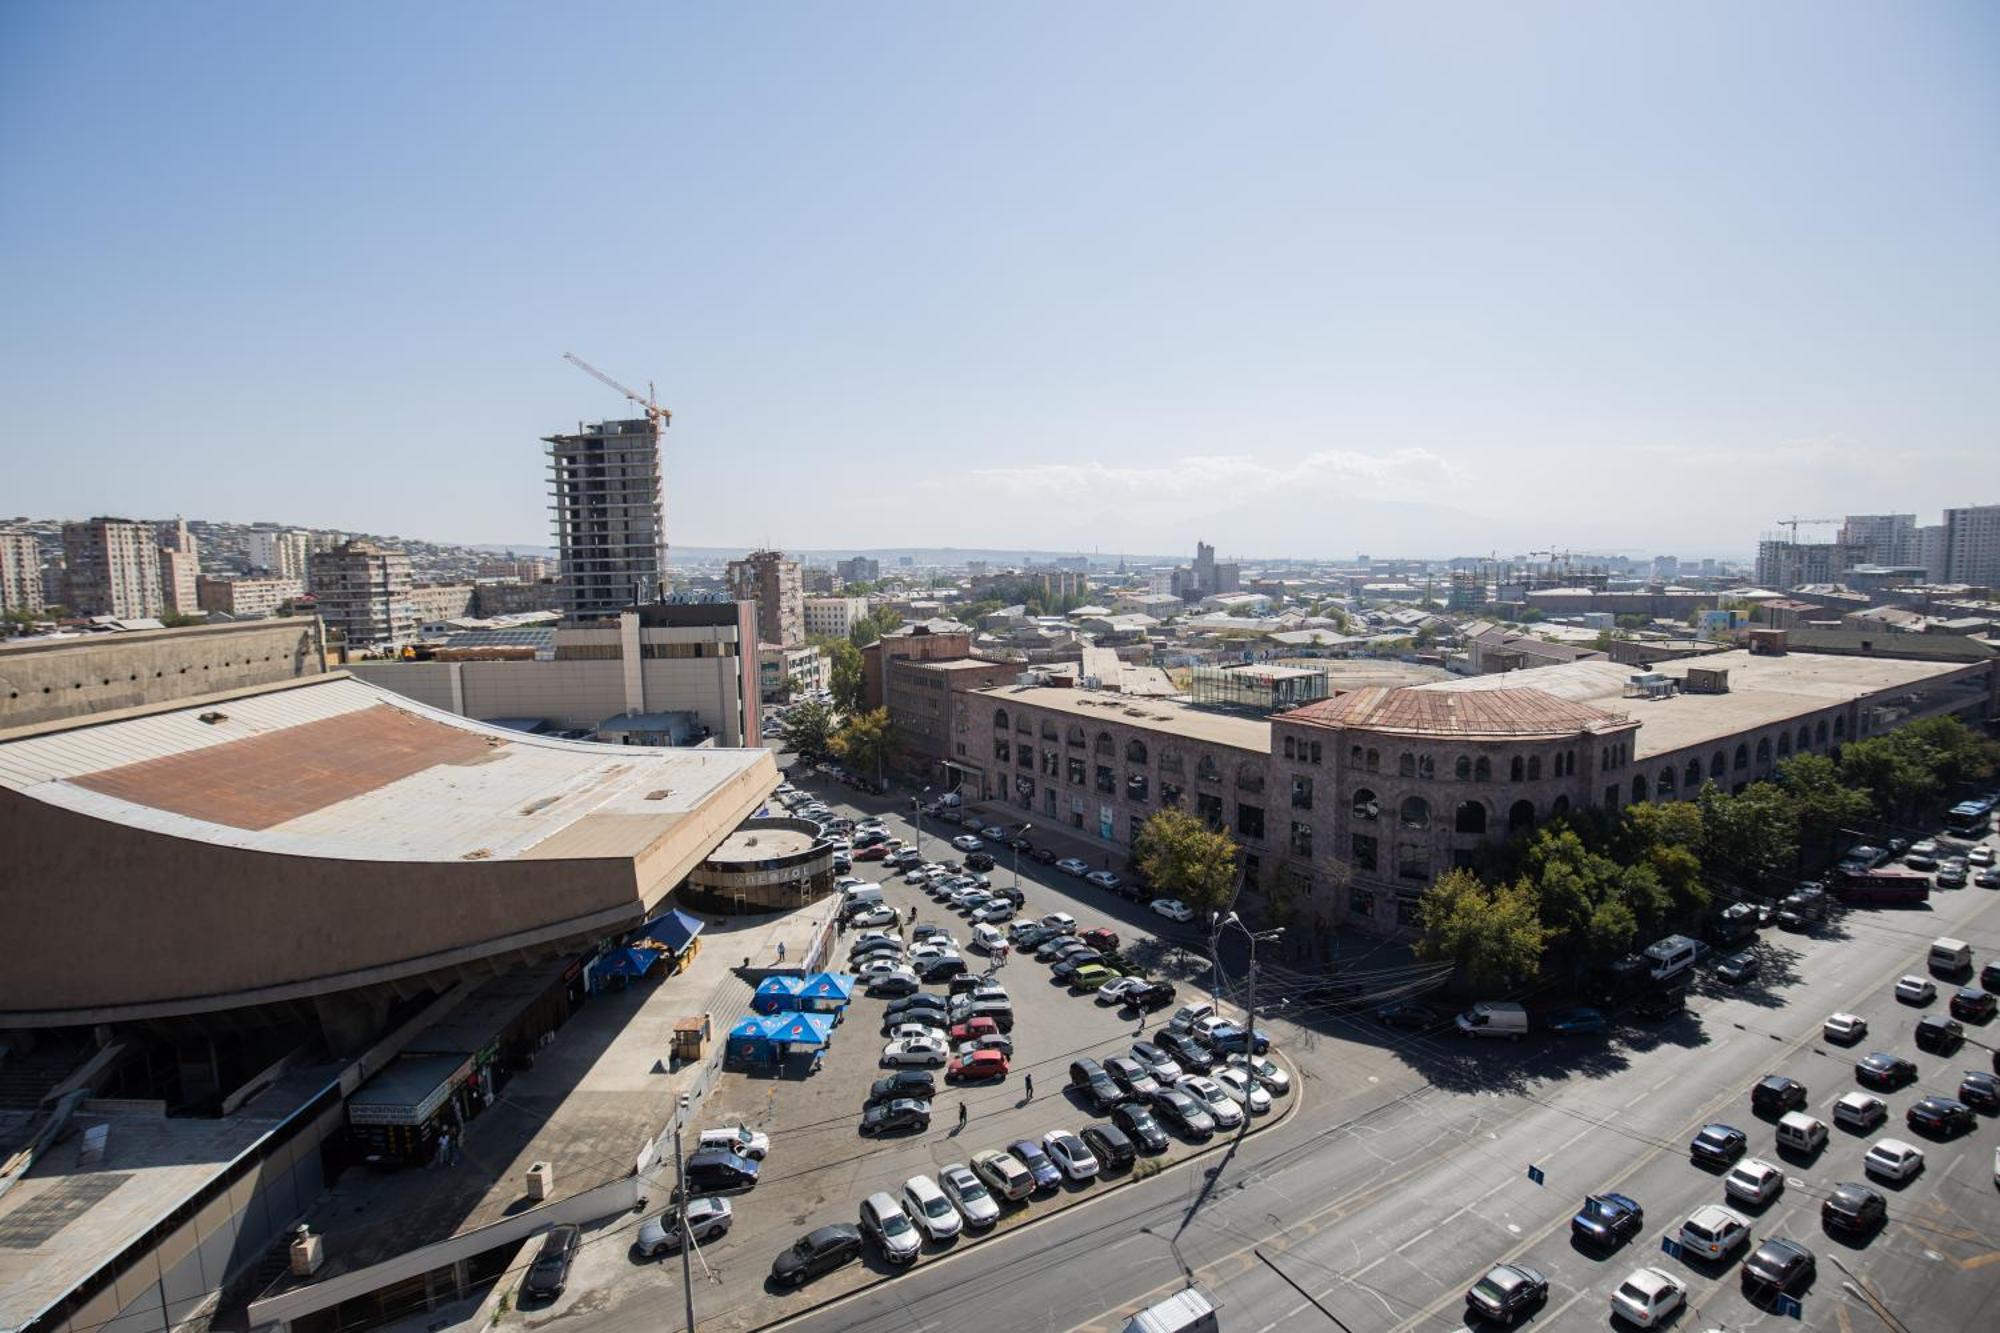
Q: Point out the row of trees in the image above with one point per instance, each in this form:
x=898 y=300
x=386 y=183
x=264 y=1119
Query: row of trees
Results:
x=866 y=742
x=1587 y=887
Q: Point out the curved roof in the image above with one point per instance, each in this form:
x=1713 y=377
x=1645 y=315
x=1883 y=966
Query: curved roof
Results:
x=1513 y=713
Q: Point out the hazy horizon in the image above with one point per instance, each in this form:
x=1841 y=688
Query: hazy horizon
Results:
x=1305 y=279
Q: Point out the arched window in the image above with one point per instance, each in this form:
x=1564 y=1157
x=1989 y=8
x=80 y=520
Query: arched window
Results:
x=1366 y=808
x=1805 y=739
x=1249 y=778
x=1290 y=748
x=1462 y=770
x=1315 y=752
x=1784 y=745
x=999 y=719
x=1742 y=754
x=1354 y=756
x=1076 y=737
x=1559 y=807
x=1515 y=769
x=1416 y=812
x=1406 y=766
x=1482 y=769
x=1638 y=787
x=1049 y=732
x=1374 y=761
x=1534 y=768
x=1170 y=763
x=1819 y=733
x=1694 y=775
x=1207 y=771
x=1427 y=767
x=1135 y=751
x=1471 y=817
x=1763 y=751
x=1718 y=764
x=1840 y=728
x=1522 y=817
x=1105 y=746
x=1665 y=786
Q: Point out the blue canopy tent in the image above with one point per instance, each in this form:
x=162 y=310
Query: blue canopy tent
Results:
x=748 y=1043
x=776 y=994
x=622 y=965
x=808 y=1031
x=825 y=993
x=676 y=929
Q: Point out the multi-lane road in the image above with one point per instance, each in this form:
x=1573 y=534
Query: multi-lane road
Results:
x=1406 y=1172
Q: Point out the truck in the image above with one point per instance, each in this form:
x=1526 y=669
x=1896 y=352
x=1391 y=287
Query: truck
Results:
x=1190 y=1310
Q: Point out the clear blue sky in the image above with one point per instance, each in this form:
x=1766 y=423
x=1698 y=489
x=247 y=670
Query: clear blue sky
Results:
x=1296 y=279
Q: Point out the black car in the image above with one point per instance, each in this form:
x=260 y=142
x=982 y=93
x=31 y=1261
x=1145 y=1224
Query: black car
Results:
x=1853 y=1209
x=1989 y=977
x=930 y=1015
x=941 y=969
x=1879 y=1069
x=1020 y=843
x=1154 y=995
x=902 y=1113
x=550 y=1272
x=1981 y=1091
x=1109 y=1145
x=1939 y=1035
x=1071 y=963
x=1140 y=1126
x=916 y=1083
x=1406 y=1014
x=719 y=1171
x=979 y=861
x=1605 y=1220
x=1042 y=855
x=1939 y=1117
x=1177 y=1109
x=1507 y=1293
x=1088 y=1077
x=1718 y=1145
x=1778 y=1265
x=1973 y=1004
x=1776 y=1095
x=1188 y=1053
x=816 y=1252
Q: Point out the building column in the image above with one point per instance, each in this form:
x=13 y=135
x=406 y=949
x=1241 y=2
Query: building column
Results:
x=629 y=659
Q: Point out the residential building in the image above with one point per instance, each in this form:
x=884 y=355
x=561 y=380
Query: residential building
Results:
x=803 y=666
x=20 y=573
x=1492 y=649
x=512 y=599
x=860 y=569
x=834 y=617
x=248 y=597
x=1972 y=546
x=1931 y=548
x=926 y=702
x=364 y=593
x=1787 y=564
x=517 y=569
x=280 y=551
x=1885 y=539
x=819 y=581
x=435 y=603
x=923 y=641
x=114 y=568
x=604 y=486
x=773 y=583
x=180 y=568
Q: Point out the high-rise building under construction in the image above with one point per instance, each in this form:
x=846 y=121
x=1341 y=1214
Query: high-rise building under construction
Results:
x=604 y=488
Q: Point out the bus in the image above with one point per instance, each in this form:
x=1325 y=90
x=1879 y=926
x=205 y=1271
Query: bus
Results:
x=1971 y=819
x=1888 y=886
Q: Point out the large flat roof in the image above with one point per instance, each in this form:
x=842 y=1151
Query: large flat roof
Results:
x=1763 y=690
x=1165 y=716
x=335 y=767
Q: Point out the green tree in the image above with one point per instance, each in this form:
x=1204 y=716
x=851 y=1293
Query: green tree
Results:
x=867 y=742
x=1612 y=928
x=1962 y=754
x=1183 y=858
x=1751 y=835
x=1823 y=804
x=845 y=680
x=1493 y=936
x=808 y=731
x=1896 y=768
x=176 y=619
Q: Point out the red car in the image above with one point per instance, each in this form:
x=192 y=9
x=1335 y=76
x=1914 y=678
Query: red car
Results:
x=973 y=1029
x=1101 y=939
x=981 y=1064
x=875 y=853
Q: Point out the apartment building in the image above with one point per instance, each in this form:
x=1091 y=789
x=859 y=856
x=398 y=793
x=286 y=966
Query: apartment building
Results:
x=604 y=487
x=1972 y=546
x=435 y=603
x=114 y=568
x=1789 y=564
x=20 y=573
x=834 y=617
x=923 y=641
x=180 y=568
x=1884 y=539
x=248 y=598
x=282 y=552
x=860 y=569
x=364 y=593
x=774 y=584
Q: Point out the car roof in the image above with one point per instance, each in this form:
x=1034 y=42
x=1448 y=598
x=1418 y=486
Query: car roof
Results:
x=882 y=1202
x=1714 y=1214
x=1895 y=1146
x=1651 y=1280
x=826 y=1235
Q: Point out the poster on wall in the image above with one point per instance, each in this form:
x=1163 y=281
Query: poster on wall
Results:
x=1106 y=822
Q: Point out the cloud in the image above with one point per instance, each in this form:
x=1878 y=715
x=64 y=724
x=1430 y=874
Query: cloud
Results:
x=1396 y=474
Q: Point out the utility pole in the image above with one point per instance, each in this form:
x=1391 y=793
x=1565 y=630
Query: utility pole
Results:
x=1022 y=832
x=680 y=1194
x=917 y=805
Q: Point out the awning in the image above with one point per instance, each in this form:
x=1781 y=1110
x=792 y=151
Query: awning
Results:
x=836 y=986
x=625 y=963
x=809 y=1030
x=674 y=930
x=774 y=993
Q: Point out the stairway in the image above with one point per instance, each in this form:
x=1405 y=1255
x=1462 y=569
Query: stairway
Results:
x=25 y=1080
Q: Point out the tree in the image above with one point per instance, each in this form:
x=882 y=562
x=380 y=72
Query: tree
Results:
x=1493 y=936
x=1823 y=805
x=867 y=742
x=845 y=680
x=1962 y=755
x=1183 y=858
x=177 y=619
x=808 y=731
x=1751 y=835
x=1898 y=769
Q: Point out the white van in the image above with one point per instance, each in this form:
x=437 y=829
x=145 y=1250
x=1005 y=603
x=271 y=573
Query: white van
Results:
x=1801 y=1133
x=1951 y=956
x=1671 y=956
x=1189 y=1311
x=1494 y=1018
x=859 y=896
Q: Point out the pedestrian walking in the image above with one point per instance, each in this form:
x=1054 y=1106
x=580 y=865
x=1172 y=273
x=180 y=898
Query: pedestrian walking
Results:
x=961 y=1114
x=1028 y=1082
x=781 y=951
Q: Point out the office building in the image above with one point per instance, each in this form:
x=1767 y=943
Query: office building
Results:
x=1884 y=539
x=785 y=672
x=1972 y=546
x=114 y=568
x=364 y=593
x=771 y=581
x=922 y=641
x=604 y=487
x=20 y=573
x=834 y=617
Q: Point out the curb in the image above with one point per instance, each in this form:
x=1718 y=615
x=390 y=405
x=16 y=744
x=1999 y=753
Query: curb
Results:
x=1214 y=1145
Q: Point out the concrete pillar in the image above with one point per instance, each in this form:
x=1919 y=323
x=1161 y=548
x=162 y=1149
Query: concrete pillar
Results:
x=628 y=653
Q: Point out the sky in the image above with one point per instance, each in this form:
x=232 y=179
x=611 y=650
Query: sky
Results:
x=1298 y=280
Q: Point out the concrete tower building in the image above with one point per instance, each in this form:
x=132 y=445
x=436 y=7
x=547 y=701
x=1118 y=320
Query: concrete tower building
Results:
x=20 y=573
x=775 y=585
x=1885 y=539
x=114 y=568
x=604 y=489
x=1972 y=545
x=180 y=568
x=364 y=592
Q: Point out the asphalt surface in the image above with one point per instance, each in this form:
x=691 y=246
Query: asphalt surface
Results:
x=1406 y=1174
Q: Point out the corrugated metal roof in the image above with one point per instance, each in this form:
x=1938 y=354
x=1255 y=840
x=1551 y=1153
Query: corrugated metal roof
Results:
x=1428 y=711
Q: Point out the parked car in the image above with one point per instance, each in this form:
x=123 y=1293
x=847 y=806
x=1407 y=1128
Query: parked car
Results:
x=1939 y=1117
x=719 y=1171
x=1220 y=1106
x=1845 y=1028
x=1173 y=909
x=1140 y=1125
x=1004 y=1174
x=1648 y=1297
x=1109 y=1145
x=916 y=1083
x=1132 y=1078
x=1508 y=1293
x=1776 y=1094
x=923 y=1052
x=884 y=1222
x=1071 y=1154
x=930 y=1209
x=1853 y=1209
x=1939 y=1035
x=708 y=1218
x=968 y=842
x=979 y=861
x=739 y=1139
x=1607 y=1220
x=1718 y=1145
x=1916 y=990
x=1893 y=1159
x=1186 y=1052
x=1268 y=1074
x=977 y=1064
x=549 y=1274
x=1242 y=1089
x=1737 y=968
x=1159 y=1062
x=1042 y=855
x=1879 y=1069
x=1980 y=1090
x=1103 y=939
x=1070 y=865
x=1046 y=1173
x=1096 y=1086
x=1714 y=1232
x=968 y=1194
x=1155 y=995
x=902 y=981
x=1753 y=1181
x=1778 y=1265
x=1859 y=1111
x=1577 y=1022
x=819 y=1251
x=1973 y=1004
x=1183 y=1112
x=1103 y=879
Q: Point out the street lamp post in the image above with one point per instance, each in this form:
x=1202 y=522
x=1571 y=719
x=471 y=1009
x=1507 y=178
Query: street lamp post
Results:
x=681 y=1202
x=917 y=805
x=1249 y=1036
x=1020 y=833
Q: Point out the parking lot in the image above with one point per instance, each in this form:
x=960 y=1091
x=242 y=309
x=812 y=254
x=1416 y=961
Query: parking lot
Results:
x=820 y=1166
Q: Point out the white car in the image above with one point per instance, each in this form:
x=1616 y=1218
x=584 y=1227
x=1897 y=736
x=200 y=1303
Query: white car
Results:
x=1069 y=1154
x=876 y=968
x=967 y=842
x=1714 y=1231
x=1893 y=1159
x=1061 y=921
x=918 y=1052
x=988 y=940
x=1173 y=909
x=1753 y=1181
x=916 y=1032
x=918 y=875
x=997 y=910
x=739 y=1139
x=1858 y=1110
x=1203 y=1029
x=1115 y=990
x=927 y=1204
x=1103 y=879
x=968 y=1194
x=1648 y=1296
x=875 y=916
x=1269 y=1076
x=1916 y=990
x=1845 y=1028
x=1069 y=865
x=1210 y=1096
x=932 y=949
x=1242 y=1089
x=1980 y=856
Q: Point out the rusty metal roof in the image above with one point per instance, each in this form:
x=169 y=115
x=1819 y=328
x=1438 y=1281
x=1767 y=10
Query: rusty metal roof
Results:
x=1508 y=714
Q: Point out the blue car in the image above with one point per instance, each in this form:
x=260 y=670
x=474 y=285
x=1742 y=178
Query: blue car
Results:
x=1047 y=1175
x=1607 y=1219
x=1228 y=1037
x=1577 y=1022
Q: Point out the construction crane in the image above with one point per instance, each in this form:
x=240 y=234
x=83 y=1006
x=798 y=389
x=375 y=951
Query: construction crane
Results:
x=658 y=415
x=1796 y=523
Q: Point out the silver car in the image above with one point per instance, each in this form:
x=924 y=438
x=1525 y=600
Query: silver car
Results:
x=885 y=1222
x=967 y=1194
x=707 y=1219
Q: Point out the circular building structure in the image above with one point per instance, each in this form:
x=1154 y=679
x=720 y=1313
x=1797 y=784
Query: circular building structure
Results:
x=766 y=865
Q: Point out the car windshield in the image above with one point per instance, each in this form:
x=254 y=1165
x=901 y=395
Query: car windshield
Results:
x=895 y=1224
x=1636 y=1294
x=937 y=1207
x=1490 y=1289
x=969 y=1188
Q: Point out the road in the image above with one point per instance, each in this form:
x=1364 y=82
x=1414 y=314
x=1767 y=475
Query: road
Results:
x=1407 y=1174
